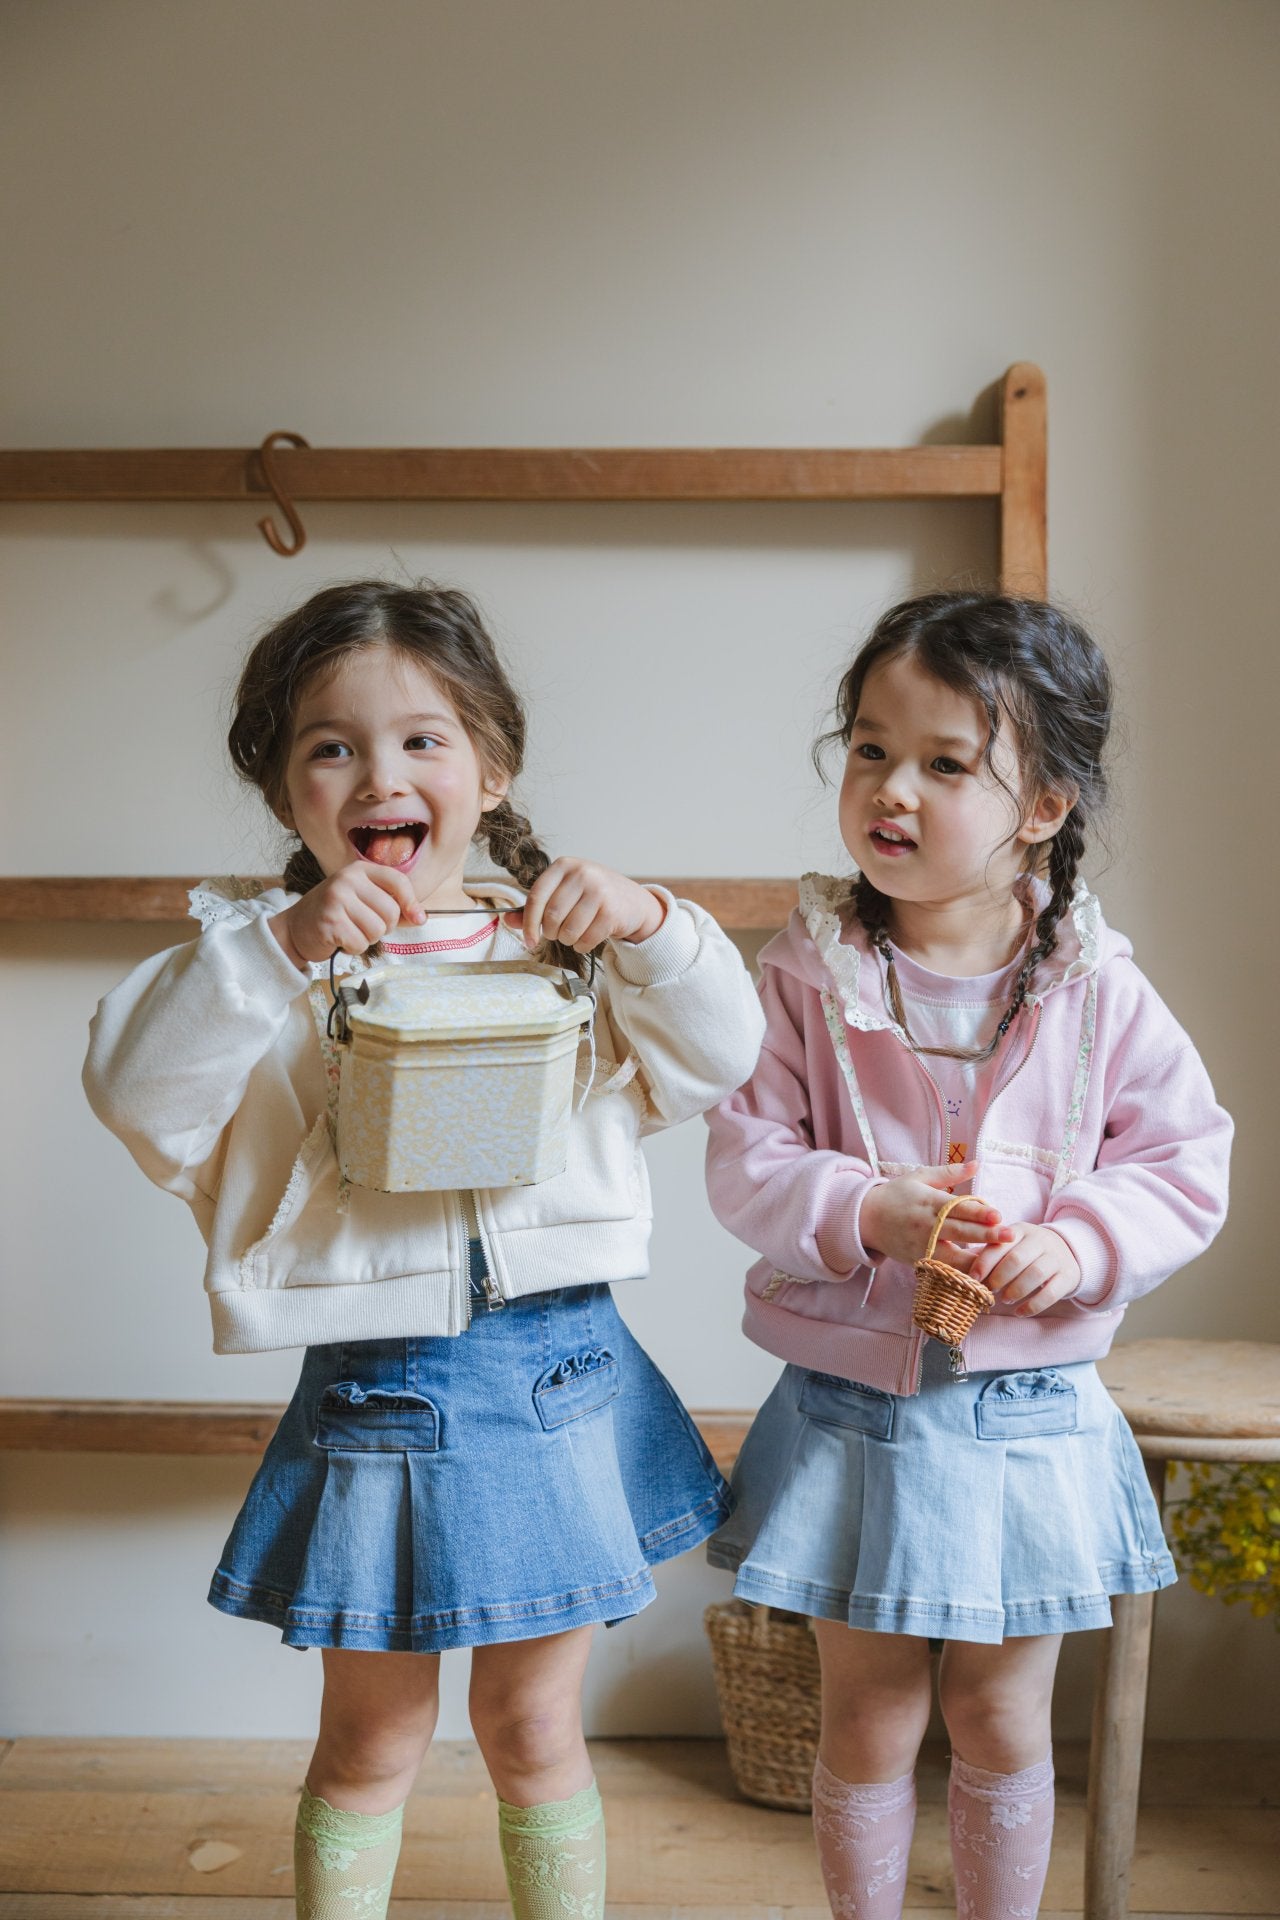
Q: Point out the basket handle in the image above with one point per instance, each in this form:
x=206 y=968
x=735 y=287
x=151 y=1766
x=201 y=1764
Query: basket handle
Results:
x=952 y=1200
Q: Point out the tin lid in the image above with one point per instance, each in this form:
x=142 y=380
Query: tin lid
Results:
x=446 y=1001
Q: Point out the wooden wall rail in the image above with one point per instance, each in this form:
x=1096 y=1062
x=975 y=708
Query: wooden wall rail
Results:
x=505 y=473
x=1011 y=470
x=736 y=904
x=211 y=1427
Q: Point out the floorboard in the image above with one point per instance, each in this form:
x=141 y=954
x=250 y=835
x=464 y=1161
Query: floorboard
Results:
x=101 y=1830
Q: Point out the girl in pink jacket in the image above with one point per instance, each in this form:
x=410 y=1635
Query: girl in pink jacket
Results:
x=955 y=1017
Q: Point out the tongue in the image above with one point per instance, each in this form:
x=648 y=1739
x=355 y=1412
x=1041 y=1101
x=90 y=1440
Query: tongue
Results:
x=389 y=849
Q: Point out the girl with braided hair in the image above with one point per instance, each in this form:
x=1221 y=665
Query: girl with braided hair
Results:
x=478 y=1453
x=955 y=1018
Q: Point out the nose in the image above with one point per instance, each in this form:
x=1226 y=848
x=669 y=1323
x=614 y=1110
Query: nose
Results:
x=383 y=777
x=895 y=789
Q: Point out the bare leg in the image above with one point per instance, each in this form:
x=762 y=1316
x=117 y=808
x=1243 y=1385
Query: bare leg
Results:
x=376 y=1721
x=996 y=1700
x=876 y=1694
x=526 y=1712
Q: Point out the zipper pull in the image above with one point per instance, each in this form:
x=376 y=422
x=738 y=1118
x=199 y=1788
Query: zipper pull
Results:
x=493 y=1299
x=959 y=1371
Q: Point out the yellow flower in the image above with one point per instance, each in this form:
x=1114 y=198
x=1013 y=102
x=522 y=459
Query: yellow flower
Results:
x=1226 y=1534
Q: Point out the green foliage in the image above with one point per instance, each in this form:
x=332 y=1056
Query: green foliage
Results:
x=1226 y=1534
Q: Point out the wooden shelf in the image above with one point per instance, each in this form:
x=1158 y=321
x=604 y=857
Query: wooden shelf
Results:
x=736 y=904
x=504 y=473
x=213 y=1427
x=1010 y=470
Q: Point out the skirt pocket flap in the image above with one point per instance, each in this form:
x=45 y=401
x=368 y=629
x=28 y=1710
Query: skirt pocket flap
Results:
x=844 y=1403
x=580 y=1383
x=351 y=1420
x=1018 y=1405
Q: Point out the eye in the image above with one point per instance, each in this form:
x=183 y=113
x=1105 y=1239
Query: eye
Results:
x=330 y=750
x=943 y=765
x=422 y=742
x=868 y=750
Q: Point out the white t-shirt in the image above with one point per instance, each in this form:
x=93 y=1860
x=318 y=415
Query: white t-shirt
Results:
x=455 y=937
x=946 y=1012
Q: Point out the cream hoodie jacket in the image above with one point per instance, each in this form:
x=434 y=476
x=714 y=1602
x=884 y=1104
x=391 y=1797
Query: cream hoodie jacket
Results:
x=207 y=1064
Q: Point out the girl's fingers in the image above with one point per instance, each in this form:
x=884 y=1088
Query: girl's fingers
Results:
x=947 y=1176
x=565 y=911
x=536 y=903
x=400 y=888
x=971 y=1209
x=362 y=925
x=578 y=922
x=976 y=1235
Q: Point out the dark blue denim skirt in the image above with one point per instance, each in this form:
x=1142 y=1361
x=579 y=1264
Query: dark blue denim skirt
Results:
x=517 y=1480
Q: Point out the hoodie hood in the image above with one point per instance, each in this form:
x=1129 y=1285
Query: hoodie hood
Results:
x=825 y=946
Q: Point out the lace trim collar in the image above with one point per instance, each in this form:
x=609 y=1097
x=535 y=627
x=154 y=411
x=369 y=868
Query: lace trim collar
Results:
x=824 y=900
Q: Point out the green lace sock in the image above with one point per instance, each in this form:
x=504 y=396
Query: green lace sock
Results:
x=343 y=1863
x=554 y=1857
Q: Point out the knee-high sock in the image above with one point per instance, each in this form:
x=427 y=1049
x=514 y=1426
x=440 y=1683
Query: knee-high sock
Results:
x=864 y=1837
x=343 y=1863
x=1001 y=1828
x=554 y=1857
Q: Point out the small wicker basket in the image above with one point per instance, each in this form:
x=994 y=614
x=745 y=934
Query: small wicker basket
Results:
x=766 y=1668
x=947 y=1301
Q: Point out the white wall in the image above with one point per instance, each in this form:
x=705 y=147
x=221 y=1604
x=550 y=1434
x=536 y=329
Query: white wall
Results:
x=416 y=223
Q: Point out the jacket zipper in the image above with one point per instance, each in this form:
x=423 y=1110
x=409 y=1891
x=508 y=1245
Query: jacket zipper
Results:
x=958 y=1365
x=493 y=1294
x=464 y=1271
x=1006 y=1084
x=942 y=1109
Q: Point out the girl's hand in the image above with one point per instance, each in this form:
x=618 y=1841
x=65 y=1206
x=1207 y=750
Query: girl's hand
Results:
x=1036 y=1271
x=897 y=1218
x=352 y=910
x=580 y=904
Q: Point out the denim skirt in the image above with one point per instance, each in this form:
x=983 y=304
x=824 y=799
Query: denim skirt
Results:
x=517 y=1480
x=978 y=1509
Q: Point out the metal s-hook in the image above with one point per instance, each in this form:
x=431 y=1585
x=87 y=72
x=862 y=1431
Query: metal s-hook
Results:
x=267 y=526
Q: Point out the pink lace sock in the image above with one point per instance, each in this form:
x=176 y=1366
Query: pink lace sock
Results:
x=1001 y=1827
x=864 y=1837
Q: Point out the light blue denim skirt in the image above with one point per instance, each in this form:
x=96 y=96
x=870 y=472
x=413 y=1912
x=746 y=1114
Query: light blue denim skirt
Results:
x=514 y=1481
x=978 y=1509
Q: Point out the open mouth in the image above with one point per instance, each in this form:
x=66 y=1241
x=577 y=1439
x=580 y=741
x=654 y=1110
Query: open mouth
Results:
x=391 y=843
x=891 y=840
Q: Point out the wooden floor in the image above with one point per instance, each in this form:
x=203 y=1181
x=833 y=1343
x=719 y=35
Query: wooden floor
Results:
x=202 y=1830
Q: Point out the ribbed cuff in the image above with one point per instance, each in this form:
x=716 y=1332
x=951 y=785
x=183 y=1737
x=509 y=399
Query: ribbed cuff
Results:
x=666 y=954
x=839 y=1238
x=1094 y=1254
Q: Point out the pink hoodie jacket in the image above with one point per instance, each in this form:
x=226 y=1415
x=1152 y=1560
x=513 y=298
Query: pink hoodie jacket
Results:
x=1102 y=1124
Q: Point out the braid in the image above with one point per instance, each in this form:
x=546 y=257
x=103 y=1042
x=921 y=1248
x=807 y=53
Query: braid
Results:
x=512 y=844
x=1066 y=850
x=302 y=872
x=872 y=909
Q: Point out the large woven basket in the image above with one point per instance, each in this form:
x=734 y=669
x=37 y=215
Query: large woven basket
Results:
x=766 y=1668
x=947 y=1302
